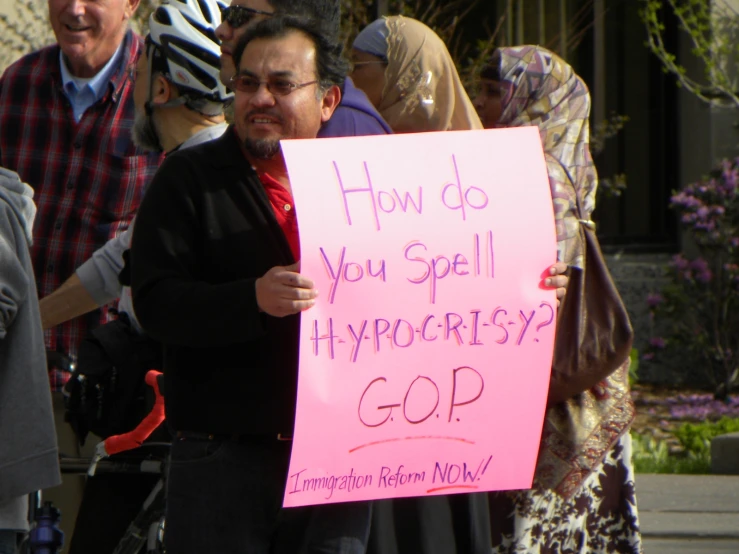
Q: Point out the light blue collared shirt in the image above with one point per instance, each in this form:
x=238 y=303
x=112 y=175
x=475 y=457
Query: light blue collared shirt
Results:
x=83 y=93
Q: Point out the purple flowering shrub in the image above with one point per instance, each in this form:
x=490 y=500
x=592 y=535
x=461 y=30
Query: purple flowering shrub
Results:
x=699 y=307
x=695 y=407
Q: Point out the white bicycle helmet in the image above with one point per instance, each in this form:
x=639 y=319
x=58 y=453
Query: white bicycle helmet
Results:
x=183 y=32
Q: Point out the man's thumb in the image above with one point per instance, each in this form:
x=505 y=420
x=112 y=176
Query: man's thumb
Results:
x=294 y=267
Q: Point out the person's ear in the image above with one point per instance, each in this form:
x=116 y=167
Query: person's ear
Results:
x=130 y=8
x=331 y=99
x=162 y=91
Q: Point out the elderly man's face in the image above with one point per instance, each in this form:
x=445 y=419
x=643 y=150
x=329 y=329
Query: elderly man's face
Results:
x=229 y=34
x=263 y=117
x=89 y=31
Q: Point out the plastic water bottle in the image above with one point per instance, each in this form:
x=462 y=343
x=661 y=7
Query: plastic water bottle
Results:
x=46 y=537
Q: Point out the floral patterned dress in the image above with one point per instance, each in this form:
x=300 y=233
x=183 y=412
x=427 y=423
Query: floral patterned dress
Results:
x=601 y=518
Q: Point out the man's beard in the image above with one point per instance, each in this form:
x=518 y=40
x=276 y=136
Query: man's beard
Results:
x=262 y=149
x=144 y=134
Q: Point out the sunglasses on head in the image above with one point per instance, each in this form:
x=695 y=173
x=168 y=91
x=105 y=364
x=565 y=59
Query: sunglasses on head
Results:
x=238 y=16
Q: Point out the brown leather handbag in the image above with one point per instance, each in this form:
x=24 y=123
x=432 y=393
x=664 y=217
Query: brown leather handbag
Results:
x=594 y=333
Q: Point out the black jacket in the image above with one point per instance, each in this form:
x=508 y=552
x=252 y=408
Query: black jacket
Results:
x=204 y=233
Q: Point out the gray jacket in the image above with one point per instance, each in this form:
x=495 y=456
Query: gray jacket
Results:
x=28 y=449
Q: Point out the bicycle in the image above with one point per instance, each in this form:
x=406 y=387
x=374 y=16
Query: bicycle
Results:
x=147 y=528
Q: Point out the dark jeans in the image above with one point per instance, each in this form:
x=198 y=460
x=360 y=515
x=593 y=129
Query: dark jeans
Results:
x=225 y=497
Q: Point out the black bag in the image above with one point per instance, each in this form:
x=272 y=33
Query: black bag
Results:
x=107 y=394
x=594 y=333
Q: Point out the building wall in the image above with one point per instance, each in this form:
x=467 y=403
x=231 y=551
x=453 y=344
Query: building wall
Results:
x=32 y=24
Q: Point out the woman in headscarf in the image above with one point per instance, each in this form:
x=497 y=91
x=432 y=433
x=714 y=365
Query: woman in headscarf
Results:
x=408 y=74
x=583 y=496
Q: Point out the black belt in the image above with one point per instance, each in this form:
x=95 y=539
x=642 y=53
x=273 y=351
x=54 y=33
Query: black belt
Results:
x=233 y=437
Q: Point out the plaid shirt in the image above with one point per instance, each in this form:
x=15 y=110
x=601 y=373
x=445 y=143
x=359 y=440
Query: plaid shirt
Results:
x=88 y=176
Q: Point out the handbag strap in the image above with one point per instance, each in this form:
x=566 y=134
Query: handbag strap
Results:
x=589 y=223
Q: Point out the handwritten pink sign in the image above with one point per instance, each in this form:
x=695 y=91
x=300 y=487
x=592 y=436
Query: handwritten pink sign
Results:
x=424 y=366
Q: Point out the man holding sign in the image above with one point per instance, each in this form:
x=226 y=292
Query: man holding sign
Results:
x=215 y=279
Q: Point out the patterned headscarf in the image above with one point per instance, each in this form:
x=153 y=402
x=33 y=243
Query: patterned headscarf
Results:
x=423 y=91
x=539 y=88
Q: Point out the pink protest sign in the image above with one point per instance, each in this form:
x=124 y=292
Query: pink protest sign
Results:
x=424 y=365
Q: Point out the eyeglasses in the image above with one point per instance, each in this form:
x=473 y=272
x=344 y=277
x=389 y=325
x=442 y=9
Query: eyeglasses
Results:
x=278 y=87
x=238 y=16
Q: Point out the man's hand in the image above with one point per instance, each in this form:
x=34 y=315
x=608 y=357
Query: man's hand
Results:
x=283 y=291
x=558 y=279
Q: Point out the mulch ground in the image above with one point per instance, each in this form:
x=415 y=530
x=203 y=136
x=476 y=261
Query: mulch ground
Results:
x=653 y=416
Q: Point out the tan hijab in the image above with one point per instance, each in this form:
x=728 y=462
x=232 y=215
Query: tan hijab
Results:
x=423 y=91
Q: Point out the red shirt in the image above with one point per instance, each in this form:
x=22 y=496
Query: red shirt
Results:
x=282 y=205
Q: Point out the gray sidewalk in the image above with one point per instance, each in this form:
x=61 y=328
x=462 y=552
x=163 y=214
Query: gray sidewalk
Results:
x=689 y=514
